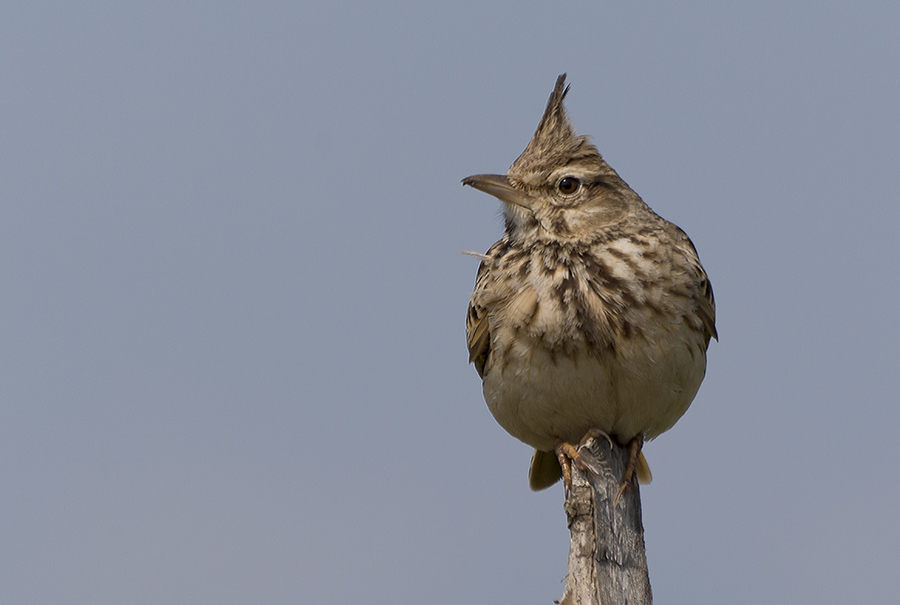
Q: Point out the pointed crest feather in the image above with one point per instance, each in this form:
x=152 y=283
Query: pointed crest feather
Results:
x=554 y=139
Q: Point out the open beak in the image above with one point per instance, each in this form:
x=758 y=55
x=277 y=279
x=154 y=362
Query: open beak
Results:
x=498 y=186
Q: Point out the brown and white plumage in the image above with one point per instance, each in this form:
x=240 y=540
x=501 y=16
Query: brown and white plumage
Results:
x=591 y=312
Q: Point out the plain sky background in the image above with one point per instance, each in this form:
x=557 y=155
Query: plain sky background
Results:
x=232 y=353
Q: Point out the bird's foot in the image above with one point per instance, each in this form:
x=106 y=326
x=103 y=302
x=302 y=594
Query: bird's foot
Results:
x=567 y=454
x=634 y=450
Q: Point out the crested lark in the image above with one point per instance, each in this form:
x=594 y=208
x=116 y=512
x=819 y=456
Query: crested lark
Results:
x=592 y=314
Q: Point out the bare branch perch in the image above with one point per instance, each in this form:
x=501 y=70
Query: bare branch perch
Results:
x=607 y=561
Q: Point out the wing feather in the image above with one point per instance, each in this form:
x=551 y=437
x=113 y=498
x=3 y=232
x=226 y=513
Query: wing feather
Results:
x=706 y=302
x=478 y=336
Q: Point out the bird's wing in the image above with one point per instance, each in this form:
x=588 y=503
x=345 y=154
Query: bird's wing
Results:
x=706 y=302
x=706 y=308
x=478 y=326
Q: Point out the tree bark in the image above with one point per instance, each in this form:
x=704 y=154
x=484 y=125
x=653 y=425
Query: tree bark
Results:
x=607 y=561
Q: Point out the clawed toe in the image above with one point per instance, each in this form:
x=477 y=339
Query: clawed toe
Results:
x=568 y=454
x=594 y=434
x=634 y=450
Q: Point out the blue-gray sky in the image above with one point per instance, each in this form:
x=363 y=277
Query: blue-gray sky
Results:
x=232 y=356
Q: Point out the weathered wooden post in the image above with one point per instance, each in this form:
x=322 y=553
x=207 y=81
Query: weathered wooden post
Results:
x=607 y=561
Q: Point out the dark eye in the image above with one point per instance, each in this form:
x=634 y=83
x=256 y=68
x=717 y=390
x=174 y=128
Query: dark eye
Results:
x=568 y=185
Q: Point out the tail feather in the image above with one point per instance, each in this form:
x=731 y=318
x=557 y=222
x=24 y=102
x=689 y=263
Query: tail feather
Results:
x=642 y=470
x=544 y=471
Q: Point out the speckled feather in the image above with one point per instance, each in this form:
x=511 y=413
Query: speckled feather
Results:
x=591 y=312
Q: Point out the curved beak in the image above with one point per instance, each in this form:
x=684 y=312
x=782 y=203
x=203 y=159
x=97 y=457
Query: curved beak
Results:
x=498 y=186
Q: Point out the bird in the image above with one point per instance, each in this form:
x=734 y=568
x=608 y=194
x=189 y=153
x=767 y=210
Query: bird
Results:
x=591 y=315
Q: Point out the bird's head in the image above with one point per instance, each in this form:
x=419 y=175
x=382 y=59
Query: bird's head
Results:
x=560 y=188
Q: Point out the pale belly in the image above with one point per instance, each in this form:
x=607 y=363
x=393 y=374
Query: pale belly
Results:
x=642 y=388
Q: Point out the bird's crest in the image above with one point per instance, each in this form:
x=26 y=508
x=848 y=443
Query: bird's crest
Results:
x=554 y=142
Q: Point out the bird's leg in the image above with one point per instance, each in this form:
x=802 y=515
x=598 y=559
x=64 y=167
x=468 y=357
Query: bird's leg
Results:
x=565 y=464
x=567 y=454
x=634 y=448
